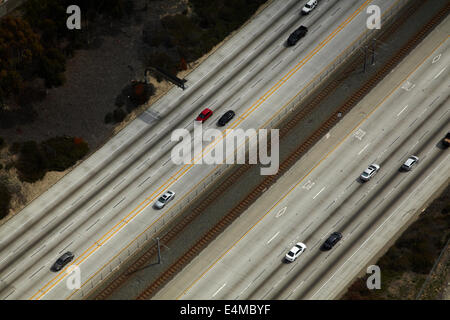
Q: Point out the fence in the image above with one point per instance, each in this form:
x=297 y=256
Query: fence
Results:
x=152 y=232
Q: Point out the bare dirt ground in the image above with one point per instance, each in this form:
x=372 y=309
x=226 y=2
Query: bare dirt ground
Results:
x=94 y=78
x=438 y=286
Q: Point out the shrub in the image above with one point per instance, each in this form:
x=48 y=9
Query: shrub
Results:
x=120 y=100
x=63 y=152
x=5 y=199
x=358 y=291
x=2 y=143
x=55 y=154
x=141 y=92
x=119 y=115
x=161 y=60
x=108 y=117
x=15 y=148
x=52 y=67
x=20 y=49
x=32 y=164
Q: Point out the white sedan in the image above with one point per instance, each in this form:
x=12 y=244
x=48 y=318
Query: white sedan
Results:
x=295 y=252
x=164 y=199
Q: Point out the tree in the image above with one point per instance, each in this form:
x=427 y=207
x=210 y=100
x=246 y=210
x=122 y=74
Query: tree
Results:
x=63 y=152
x=52 y=67
x=141 y=92
x=5 y=199
x=20 y=50
x=119 y=115
x=32 y=163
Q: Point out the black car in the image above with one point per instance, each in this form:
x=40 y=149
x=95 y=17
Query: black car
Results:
x=62 y=261
x=225 y=118
x=332 y=240
x=446 y=140
x=299 y=33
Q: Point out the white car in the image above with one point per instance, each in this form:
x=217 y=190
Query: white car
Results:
x=309 y=6
x=412 y=160
x=164 y=199
x=295 y=252
x=369 y=172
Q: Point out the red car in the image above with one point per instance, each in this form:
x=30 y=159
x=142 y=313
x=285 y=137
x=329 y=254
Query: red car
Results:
x=204 y=115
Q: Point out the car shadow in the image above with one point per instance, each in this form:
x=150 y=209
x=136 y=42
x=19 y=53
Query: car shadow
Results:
x=360 y=181
x=440 y=145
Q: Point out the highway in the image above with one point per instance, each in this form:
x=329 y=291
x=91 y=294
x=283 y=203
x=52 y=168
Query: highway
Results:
x=407 y=114
x=99 y=208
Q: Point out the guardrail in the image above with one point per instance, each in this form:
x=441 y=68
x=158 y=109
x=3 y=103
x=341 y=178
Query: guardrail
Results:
x=152 y=232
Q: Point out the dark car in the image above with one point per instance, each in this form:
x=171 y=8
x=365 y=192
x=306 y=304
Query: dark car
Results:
x=225 y=118
x=299 y=33
x=204 y=115
x=332 y=240
x=62 y=261
x=446 y=140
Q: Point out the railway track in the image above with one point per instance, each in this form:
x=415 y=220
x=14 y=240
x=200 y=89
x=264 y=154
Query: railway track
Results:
x=210 y=235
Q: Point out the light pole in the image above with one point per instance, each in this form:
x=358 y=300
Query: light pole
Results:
x=365 y=58
x=159 y=250
x=373 y=50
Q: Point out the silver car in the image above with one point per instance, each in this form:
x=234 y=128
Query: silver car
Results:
x=369 y=172
x=412 y=160
x=295 y=252
x=164 y=199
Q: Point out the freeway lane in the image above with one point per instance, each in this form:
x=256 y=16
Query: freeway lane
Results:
x=110 y=191
x=410 y=119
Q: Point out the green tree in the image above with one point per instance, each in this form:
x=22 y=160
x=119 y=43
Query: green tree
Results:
x=20 y=50
x=5 y=199
x=52 y=67
x=63 y=152
x=32 y=163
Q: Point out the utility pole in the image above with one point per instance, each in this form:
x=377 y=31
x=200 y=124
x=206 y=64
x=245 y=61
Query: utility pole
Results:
x=365 y=58
x=159 y=250
x=373 y=50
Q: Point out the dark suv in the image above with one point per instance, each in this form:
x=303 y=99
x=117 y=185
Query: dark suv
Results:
x=446 y=140
x=225 y=118
x=62 y=261
x=299 y=33
x=332 y=240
